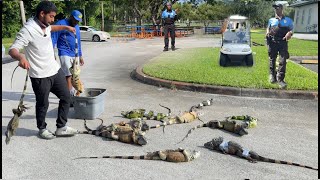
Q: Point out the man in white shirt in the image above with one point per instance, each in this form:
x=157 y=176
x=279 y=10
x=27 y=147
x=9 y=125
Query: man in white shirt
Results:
x=44 y=71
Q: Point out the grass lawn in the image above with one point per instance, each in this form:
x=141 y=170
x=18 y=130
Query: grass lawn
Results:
x=201 y=65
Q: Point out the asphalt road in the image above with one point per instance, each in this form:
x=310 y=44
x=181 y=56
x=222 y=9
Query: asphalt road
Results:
x=287 y=129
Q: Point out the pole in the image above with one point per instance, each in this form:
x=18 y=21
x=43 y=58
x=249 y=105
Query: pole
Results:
x=102 y=22
x=84 y=16
x=23 y=15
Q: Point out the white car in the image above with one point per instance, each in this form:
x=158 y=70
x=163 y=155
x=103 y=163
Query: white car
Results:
x=90 y=33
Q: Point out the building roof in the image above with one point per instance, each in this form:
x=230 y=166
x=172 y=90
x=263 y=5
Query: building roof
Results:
x=303 y=3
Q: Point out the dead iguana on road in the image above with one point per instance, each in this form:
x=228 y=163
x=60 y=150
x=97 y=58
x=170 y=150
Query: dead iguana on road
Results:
x=230 y=126
x=124 y=132
x=14 y=122
x=185 y=117
x=177 y=155
x=249 y=120
x=233 y=148
x=144 y=115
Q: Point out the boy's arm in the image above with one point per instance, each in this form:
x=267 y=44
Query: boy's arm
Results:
x=62 y=27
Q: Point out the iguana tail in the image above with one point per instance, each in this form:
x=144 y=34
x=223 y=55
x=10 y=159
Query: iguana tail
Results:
x=118 y=157
x=12 y=75
x=196 y=127
x=169 y=113
x=261 y=158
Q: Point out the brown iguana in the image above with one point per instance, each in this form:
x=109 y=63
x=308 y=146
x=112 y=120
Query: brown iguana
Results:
x=185 y=117
x=75 y=71
x=14 y=122
x=230 y=126
x=122 y=132
x=233 y=148
x=177 y=155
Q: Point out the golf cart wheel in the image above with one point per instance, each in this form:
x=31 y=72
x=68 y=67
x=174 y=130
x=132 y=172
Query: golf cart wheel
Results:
x=96 y=38
x=249 y=60
x=223 y=60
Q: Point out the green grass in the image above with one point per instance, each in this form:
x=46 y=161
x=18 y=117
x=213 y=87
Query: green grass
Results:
x=7 y=42
x=201 y=65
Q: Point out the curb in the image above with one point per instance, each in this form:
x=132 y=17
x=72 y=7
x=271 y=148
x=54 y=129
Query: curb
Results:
x=138 y=74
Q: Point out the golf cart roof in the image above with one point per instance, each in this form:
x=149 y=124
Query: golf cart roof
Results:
x=237 y=17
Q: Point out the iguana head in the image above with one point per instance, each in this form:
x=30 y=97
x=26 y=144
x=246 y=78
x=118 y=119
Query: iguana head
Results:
x=214 y=144
x=140 y=139
x=191 y=155
x=140 y=124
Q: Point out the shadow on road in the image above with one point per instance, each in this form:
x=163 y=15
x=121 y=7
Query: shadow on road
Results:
x=15 y=96
x=21 y=132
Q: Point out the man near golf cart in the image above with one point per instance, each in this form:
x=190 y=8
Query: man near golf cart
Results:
x=279 y=31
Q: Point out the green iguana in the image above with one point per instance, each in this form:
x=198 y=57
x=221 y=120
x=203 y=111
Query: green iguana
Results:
x=144 y=115
x=177 y=155
x=14 y=122
x=228 y=125
x=233 y=148
x=122 y=132
x=249 y=120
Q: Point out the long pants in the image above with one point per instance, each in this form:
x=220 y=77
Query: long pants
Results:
x=275 y=47
x=42 y=87
x=169 y=28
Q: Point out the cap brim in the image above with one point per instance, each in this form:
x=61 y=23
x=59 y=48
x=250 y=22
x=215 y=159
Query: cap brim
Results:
x=78 y=19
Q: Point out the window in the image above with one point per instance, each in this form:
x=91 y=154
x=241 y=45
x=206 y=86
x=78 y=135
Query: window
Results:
x=83 y=28
x=302 y=17
x=297 y=17
x=309 y=17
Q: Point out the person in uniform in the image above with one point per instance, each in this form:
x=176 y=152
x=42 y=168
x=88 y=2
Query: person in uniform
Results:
x=169 y=16
x=279 y=31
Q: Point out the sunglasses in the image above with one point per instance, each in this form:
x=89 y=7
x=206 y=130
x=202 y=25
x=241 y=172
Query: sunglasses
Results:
x=277 y=7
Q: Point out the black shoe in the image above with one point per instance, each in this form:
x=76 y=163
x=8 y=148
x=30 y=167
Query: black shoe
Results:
x=173 y=48
x=282 y=84
x=165 y=49
x=71 y=104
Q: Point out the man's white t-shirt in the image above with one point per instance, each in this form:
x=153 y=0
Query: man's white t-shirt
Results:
x=38 y=49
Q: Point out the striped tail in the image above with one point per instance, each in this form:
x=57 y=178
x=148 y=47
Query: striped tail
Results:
x=169 y=113
x=189 y=132
x=24 y=90
x=164 y=124
x=13 y=74
x=261 y=158
x=117 y=157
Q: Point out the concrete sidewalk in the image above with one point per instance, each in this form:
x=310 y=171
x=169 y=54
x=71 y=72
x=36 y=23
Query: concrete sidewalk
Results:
x=306 y=36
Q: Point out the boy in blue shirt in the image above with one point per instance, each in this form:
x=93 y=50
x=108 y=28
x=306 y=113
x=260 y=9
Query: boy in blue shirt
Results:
x=65 y=42
x=279 y=31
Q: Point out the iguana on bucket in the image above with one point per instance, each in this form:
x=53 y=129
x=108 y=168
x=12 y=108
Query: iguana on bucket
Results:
x=14 y=122
x=75 y=71
x=122 y=132
x=177 y=155
x=228 y=125
x=144 y=115
x=233 y=148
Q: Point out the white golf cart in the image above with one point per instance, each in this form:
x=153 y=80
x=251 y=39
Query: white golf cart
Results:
x=236 y=42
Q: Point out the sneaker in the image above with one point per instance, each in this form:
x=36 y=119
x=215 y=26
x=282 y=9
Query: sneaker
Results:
x=165 y=49
x=66 y=131
x=46 y=134
x=272 y=78
x=173 y=48
x=282 y=84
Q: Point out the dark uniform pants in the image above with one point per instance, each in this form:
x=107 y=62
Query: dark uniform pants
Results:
x=273 y=49
x=42 y=87
x=169 y=28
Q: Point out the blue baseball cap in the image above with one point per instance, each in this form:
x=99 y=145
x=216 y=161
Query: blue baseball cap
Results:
x=77 y=15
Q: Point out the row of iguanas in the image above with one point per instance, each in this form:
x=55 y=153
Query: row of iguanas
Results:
x=133 y=132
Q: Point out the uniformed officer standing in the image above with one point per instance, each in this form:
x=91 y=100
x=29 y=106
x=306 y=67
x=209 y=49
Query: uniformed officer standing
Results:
x=279 y=31
x=168 y=17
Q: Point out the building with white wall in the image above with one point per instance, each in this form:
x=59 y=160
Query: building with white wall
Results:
x=306 y=16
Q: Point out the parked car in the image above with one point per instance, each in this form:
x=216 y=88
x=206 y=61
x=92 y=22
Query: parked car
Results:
x=90 y=33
